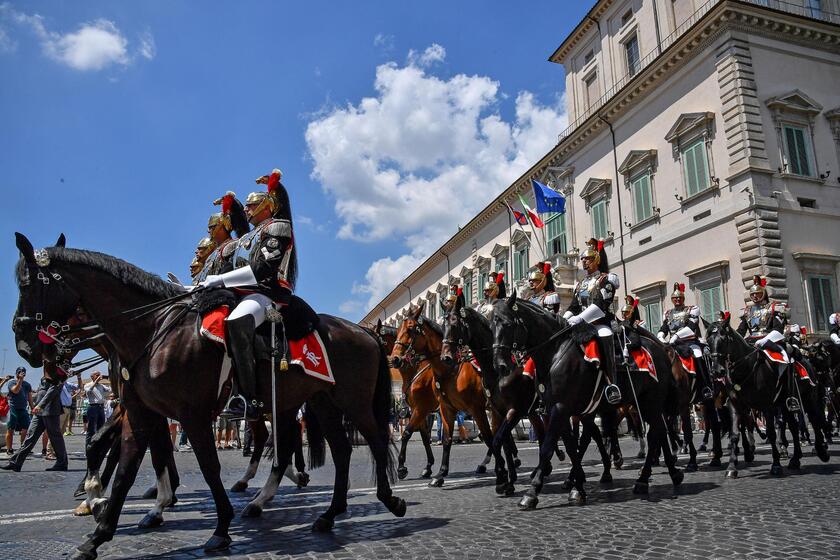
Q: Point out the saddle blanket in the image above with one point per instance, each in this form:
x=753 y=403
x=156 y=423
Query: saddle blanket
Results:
x=778 y=357
x=308 y=352
x=644 y=362
x=803 y=373
x=688 y=365
x=590 y=352
x=530 y=369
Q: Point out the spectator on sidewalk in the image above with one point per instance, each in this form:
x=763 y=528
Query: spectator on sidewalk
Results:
x=20 y=396
x=96 y=393
x=68 y=401
x=47 y=411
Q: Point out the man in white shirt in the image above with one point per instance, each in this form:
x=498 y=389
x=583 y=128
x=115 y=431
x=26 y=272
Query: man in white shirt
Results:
x=97 y=395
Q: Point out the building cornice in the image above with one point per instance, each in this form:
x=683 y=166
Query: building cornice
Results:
x=728 y=15
x=579 y=32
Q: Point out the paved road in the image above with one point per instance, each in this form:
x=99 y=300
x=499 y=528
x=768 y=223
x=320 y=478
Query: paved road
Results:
x=756 y=516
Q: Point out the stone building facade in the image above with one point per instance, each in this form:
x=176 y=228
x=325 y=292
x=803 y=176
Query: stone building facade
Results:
x=704 y=147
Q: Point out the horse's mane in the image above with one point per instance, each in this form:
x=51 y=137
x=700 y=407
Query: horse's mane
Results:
x=127 y=273
x=437 y=329
x=536 y=309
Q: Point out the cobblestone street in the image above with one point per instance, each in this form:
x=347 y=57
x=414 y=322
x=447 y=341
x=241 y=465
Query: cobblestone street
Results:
x=755 y=516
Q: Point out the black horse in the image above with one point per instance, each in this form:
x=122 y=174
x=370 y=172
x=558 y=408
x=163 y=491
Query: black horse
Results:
x=174 y=372
x=571 y=386
x=755 y=384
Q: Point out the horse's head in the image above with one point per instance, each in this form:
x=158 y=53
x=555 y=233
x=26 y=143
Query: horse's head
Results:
x=455 y=332
x=411 y=338
x=509 y=334
x=45 y=302
x=720 y=337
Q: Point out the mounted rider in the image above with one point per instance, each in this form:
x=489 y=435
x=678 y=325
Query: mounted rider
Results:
x=586 y=307
x=202 y=251
x=834 y=323
x=494 y=290
x=265 y=265
x=220 y=226
x=681 y=329
x=541 y=283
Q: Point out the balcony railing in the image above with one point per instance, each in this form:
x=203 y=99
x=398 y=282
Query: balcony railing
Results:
x=824 y=10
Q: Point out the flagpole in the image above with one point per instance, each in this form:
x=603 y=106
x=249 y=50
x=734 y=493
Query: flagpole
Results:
x=510 y=213
x=510 y=239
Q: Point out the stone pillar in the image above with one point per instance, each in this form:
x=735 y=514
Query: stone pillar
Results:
x=760 y=240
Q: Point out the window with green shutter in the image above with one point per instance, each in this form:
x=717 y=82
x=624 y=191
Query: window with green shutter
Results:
x=600 y=227
x=711 y=302
x=798 y=150
x=520 y=262
x=822 y=301
x=555 y=234
x=468 y=289
x=652 y=315
x=642 y=198
x=695 y=167
x=431 y=308
x=483 y=278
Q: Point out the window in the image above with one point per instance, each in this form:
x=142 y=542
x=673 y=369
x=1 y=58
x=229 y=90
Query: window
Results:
x=822 y=301
x=600 y=227
x=711 y=302
x=628 y=15
x=588 y=57
x=591 y=89
x=798 y=154
x=520 y=262
x=483 y=278
x=813 y=8
x=431 y=307
x=555 y=236
x=642 y=200
x=695 y=167
x=468 y=285
x=631 y=51
x=501 y=266
x=652 y=314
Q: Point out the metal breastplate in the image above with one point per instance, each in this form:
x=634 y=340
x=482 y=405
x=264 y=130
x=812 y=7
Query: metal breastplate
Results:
x=585 y=289
x=538 y=298
x=246 y=247
x=758 y=319
x=677 y=319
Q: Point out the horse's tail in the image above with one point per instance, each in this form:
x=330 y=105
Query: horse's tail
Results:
x=383 y=404
x=315 y=438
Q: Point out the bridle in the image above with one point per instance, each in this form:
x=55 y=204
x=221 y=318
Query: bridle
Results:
x=409 y=356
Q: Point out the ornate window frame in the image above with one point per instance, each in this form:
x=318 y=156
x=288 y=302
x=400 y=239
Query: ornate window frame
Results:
x=593 y=192
x=685 y=132
x=797 y=109
x=636 y=164
x=652 y=293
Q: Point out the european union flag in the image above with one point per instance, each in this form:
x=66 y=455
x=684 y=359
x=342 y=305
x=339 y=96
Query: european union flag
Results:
x=548 y=200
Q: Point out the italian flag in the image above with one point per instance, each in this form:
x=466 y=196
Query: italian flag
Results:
x=535 y=219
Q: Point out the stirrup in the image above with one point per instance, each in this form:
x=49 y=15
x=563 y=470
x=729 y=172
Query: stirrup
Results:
x=707 y=393
x=612 y=393
x=792 y=404
x=235 y=407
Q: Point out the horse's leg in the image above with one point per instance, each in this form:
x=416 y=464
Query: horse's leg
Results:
x=426 y=438
x=498 y=443
x=330 y=419
x=770 y=426
x=711 y=414
x=609 y=423
x=135 y=433
x=160 y=446
x=685 y=420
x=793 y=422
x=670 y=456
x=816 y=415
x=484 y=428
x=782 y=436
x=510 y=460
x=285 y=423
x=734 y=434
x=558 y=425
x=259 y=437
x=104 y=446
x=447 y=419
x=416 y=422
x=591 y=429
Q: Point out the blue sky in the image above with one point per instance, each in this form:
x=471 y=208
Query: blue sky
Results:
x=120 y=122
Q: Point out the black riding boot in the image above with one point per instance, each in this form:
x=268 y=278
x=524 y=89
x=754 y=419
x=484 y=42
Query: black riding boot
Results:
x=704 y=379
x=611 y=392
x=240 y=339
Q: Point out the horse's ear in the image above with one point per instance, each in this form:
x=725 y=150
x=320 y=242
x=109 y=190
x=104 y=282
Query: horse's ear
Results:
x=25 y=247
x=421 y=307
x=512 y=299
x=706 y=324
x=378 y=328
x=62 y=241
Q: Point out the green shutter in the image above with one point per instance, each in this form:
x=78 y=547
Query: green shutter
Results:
x=696 y=167
x=642 y=198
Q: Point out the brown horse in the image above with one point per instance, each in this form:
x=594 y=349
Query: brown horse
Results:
x=455 y=388
x=174 y=372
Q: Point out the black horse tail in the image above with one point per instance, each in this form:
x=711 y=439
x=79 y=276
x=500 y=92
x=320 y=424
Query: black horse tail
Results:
x=315 y=438
x=383 y=405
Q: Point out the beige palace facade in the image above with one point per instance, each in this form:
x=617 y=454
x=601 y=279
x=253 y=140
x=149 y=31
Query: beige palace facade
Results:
x=704 y=147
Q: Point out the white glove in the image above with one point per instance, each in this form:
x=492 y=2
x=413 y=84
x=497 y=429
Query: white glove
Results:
x=575 y=320
x=760 y=342
x=661 y=336
x=674 y=339
x=212 y=281
x=835 y=339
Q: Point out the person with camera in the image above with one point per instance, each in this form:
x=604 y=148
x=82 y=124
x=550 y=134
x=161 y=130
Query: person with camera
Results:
x=97 y=395
x=47 y=411
x=20 y=396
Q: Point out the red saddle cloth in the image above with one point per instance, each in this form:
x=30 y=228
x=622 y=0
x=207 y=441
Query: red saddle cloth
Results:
x=774 y=356
x=591 y=353
x=530 y=369
x=644 y=361
x=689 y=365
x=308 y=352
x=803 y=373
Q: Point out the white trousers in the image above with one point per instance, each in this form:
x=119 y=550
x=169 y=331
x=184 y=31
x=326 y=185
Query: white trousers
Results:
x=253 y=305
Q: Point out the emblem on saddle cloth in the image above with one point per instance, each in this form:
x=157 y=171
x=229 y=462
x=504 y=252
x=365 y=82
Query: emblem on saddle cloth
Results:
x=310 y=354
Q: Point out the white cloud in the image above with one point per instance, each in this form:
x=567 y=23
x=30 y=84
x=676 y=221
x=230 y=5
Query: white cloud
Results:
x=7 y=44
x=384 y=42
x=94 y=46
x=420 y=157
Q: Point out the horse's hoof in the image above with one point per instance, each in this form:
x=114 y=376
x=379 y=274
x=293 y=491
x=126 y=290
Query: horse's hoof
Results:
x=528 y=502
x=82 y=510
x=640 y=488
x=217 y=544
x=98 y=509
x=402 y=472
x=822 y=453
x=397 y=507
x=749 y=457
x=436 y=482
x=691 y=467
x=677 y=477
x=172 y=502
x=577 y=498
x=732 y=474
x=561 y=455
x=252 y=510
x=151 y=521
x=794 y=464
x=239 y=486
x=618 y=463
x=776 y=470
x=715 y=462
x=150 y=494
x=516 y=462
x=481 y=469
x=606 y=478
x=702 y=448
x=322 y=525
x=79 y=555
x=655 y=462
x=567 y=485
x=426 y=473
x=303 y=480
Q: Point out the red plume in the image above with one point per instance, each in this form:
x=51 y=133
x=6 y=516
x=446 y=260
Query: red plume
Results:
x=546 y=268
x=803 y=330
x=636 y=302
x=460 y=291
x=227 y=203
x=682 y=287
x=600 y=244
x=726 y=316
x=273 y=180
x=763 y=282
x=499 y=277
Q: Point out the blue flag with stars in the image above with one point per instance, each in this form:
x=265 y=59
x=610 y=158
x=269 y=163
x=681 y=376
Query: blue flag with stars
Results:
x=548 y=200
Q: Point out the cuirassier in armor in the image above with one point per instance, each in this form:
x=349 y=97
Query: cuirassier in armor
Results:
x=203 y=250
x=763 y=320
x=834 y=323
x=220 y=227
x=494 y=290
x=591 y=301
x=264 y=267
x=681 y=328
x=541 y=283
